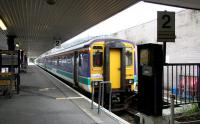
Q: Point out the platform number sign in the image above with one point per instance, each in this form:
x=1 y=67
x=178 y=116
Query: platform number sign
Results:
x=165 y=26
x=57 y=43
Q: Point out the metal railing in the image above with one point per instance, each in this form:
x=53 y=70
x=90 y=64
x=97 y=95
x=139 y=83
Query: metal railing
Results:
x=183 y=81
x=101 y=91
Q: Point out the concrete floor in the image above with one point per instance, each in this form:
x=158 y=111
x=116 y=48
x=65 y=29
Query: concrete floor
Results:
x=44 y=100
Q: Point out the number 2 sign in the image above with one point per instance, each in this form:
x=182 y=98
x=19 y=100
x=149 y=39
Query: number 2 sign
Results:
x=165 y=26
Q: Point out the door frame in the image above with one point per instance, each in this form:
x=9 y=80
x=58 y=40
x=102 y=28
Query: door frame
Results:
x=75 y=74
x=115 y=44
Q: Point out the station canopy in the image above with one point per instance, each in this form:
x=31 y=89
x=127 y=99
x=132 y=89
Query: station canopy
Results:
x=37 y=24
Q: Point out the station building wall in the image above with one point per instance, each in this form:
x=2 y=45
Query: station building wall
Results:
x=186 y=48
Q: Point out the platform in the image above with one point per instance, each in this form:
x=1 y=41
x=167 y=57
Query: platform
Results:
x=46 y=100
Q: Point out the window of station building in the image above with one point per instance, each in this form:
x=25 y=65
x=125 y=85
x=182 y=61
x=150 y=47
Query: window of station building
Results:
x=129 y=56
x=97 y=56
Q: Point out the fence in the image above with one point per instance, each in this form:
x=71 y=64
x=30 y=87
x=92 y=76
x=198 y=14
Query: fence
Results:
x=182 y=80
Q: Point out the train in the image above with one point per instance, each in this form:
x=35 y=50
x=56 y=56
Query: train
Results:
x=92 y=60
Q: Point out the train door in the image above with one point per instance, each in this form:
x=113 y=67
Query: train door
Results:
x=76 y=68
x=115 y=67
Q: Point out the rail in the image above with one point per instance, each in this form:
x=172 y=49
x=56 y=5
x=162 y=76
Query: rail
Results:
x=101 y=91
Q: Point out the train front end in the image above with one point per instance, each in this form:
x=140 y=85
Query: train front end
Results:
x=113 y=60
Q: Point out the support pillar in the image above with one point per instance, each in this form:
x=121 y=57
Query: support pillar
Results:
x=21 y=56
x=11 y=42
x=11 y=46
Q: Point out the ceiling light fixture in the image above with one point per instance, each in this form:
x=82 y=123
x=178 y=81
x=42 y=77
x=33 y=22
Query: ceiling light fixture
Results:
x=17 y=45
x=51 y=2
x=2 y=25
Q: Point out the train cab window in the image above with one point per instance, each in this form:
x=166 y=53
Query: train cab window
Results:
x=97 y=59
x=129 y=57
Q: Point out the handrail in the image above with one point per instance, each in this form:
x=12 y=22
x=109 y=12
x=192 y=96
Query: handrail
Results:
x=101 y=85
x=94 y=84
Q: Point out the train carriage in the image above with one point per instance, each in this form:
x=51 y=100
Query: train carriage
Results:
x=94 y=60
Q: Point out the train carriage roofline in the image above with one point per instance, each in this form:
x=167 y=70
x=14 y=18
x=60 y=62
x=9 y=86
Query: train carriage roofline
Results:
x=82 y=43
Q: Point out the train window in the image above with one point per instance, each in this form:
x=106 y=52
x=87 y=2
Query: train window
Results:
x=129 y=57
x=97 y=59
x=97 y=47
x=80 y=60
x=58 y=61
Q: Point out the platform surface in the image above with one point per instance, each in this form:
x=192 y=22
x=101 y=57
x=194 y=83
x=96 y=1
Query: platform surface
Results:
x=45 y=100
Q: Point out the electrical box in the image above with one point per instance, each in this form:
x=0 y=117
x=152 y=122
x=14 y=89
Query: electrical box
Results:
x=150 y=74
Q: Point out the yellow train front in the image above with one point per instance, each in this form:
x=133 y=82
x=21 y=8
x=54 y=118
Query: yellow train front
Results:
x=113 y=60
x=95 y=60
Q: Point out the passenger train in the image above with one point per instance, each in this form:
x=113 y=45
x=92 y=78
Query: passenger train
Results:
x=95 y=59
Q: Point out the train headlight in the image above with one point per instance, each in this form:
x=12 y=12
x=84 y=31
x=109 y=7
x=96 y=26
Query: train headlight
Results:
x=130 y=81
x=96 y=83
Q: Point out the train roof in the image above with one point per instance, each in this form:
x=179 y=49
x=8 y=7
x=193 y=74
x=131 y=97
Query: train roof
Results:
x=77 y=44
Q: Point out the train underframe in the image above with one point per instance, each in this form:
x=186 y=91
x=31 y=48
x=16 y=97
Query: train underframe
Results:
x=120 y=99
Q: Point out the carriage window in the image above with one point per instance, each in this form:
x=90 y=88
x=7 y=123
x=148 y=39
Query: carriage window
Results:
x=80 y=60
x=97 y=59
x=129 y=57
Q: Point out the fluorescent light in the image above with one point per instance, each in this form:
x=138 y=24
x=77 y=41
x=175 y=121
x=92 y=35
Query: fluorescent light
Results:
x=2 y=25
x=17 y=45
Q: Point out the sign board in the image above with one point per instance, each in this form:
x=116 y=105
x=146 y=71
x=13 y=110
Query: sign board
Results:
x=165 y=26
x=57 y=43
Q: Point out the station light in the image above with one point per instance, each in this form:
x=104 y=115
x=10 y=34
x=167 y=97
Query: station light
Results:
x=17 y=45
x=2 y=25
x=51 y=2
